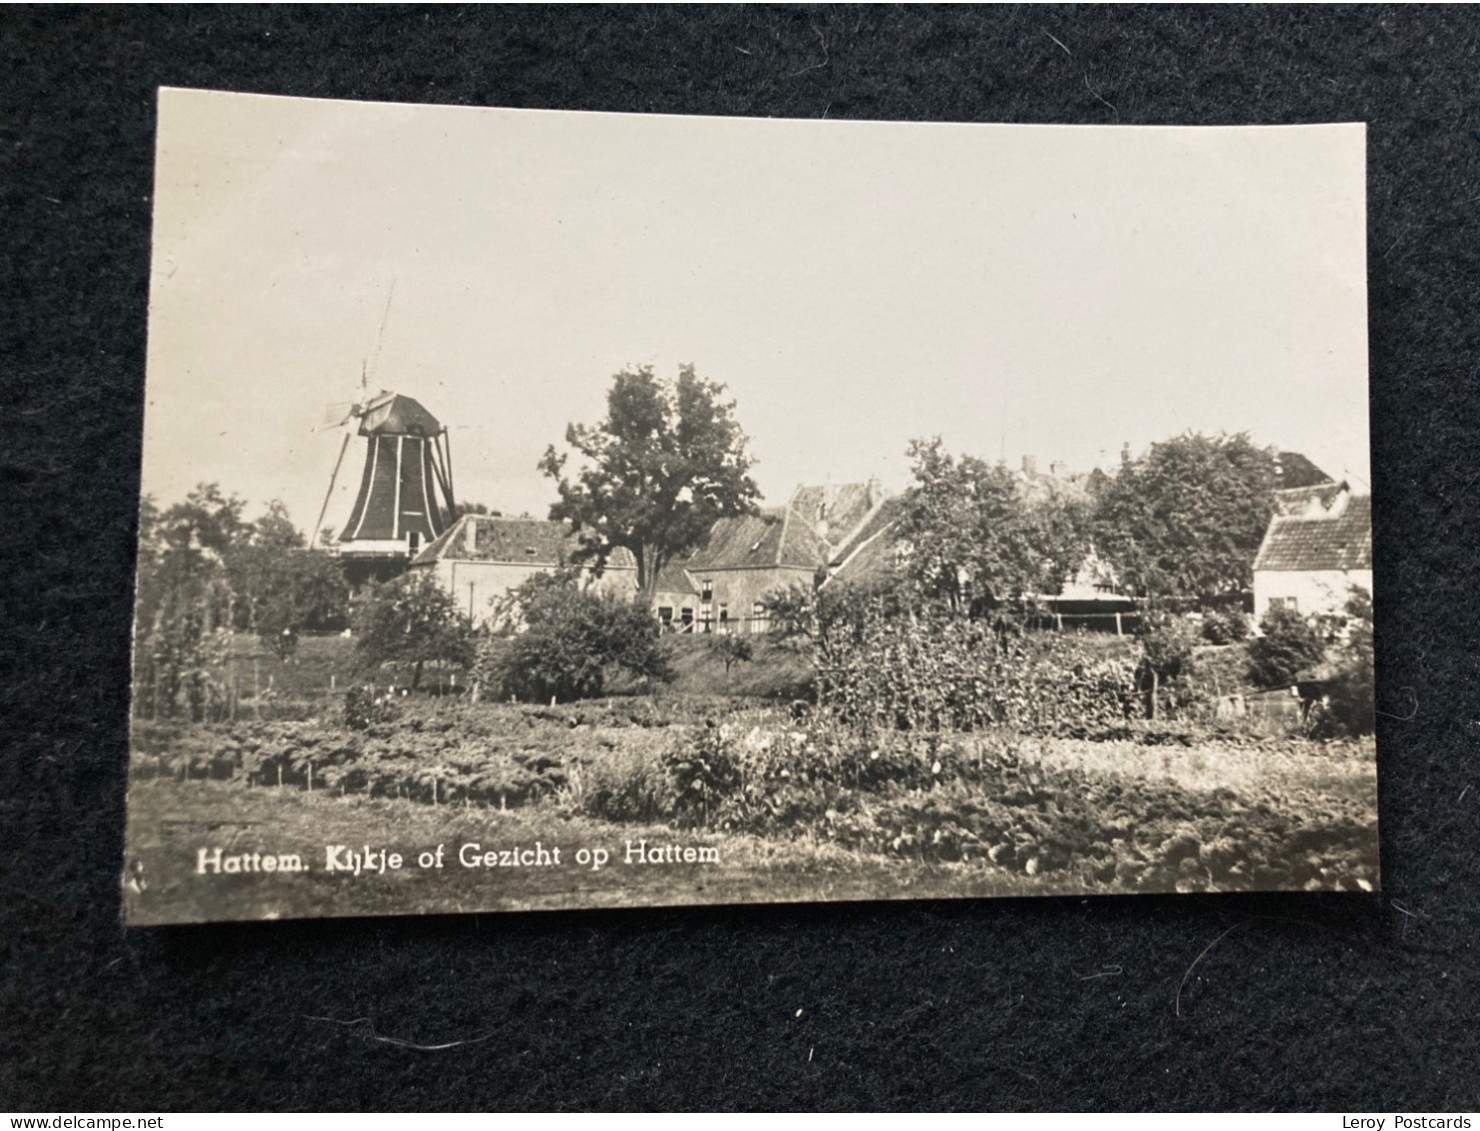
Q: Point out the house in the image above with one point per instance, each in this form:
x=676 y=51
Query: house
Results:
x=1318 y=546
x=746 y=559
x=750 y=557
x=481 y=558
x=676 y=599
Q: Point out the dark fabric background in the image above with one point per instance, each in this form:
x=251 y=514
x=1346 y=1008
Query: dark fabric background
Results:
x=1302 y=1001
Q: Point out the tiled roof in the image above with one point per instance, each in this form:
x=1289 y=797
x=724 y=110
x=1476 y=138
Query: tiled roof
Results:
x=1337 y=541
x=774 y=537
x=529 y=541
x=840 y=508
x=872 y=551
x=672 y=578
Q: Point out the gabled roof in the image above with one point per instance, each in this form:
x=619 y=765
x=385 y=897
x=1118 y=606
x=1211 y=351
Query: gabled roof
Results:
x=1341 y=539
x=772 y=538
x=871 y=553
x=524 y=541
x=839 y=510
x=672 y=578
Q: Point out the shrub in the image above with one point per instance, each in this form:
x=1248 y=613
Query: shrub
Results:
x=365 y=707
x=1228 y=626
x=702 y=771
x=411 y=621
x=571 y=637
x=1351 y=707
x=953 y=674
x=1288 y=646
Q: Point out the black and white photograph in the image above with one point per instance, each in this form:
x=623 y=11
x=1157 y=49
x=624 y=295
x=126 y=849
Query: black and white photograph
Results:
x=561 y=510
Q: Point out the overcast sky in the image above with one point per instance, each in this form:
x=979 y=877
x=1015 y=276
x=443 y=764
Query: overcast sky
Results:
x=1045 y=290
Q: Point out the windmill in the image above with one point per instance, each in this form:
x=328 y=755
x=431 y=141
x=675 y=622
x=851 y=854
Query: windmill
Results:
x=405 y=498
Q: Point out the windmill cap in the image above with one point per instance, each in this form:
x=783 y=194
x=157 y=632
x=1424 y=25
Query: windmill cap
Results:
x=395 y=415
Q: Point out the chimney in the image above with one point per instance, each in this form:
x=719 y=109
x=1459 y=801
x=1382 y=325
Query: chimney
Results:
x=1030 y=465
x=1125 y=453
x=875 y=492
x=470 y=536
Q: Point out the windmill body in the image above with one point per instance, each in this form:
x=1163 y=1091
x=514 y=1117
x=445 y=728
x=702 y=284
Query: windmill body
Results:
x=405 y=498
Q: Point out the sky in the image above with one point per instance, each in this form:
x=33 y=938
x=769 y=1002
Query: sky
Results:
x=1054 y=291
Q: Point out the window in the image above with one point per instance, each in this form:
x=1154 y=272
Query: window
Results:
x=1284 y=603
x=707 y=592
x=414 y=538
x=724 y=613
x=665 y=615
x=686 y=615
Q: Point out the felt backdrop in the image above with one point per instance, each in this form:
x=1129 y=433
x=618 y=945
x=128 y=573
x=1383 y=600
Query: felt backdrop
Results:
x=1353 y=1002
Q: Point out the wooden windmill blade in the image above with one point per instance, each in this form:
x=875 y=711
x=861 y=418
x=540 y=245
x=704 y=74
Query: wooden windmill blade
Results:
x=337 y=414
x=329 y=494
x=442 y=466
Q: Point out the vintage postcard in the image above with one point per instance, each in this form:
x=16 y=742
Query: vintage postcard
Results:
x=567 y=510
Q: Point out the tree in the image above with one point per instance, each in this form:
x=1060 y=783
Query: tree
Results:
x=667 y=463
x=280 y=585
x=412 y=621
x=1186 y=519
x=975 y=537
x=567 y=639
x=730 y=650
x=183 y=603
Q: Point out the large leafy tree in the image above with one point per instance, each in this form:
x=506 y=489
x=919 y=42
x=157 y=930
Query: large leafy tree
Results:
x=1186 y=518
x=654 y=476
x=974 y=534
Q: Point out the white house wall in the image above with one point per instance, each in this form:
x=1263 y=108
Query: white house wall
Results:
x=474 y=584
x=1315 y=591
